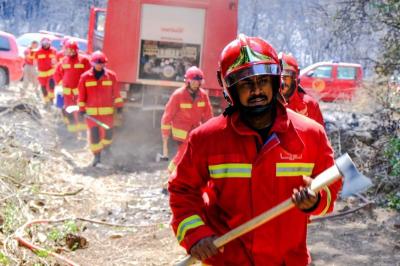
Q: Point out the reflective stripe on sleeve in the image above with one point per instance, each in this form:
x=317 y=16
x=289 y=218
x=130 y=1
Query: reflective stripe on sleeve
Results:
x=78 y=66
x=230 y=170
x=81 y=104
x=118 y=100
x=179 y=133
x=201 y=104
x=66 y=66
x=294 y=169
x=189 y=223
x=165 y=126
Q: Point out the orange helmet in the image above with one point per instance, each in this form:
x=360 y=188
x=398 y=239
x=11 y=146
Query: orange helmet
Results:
x=69 y=44
x=193 y=73
x=98 y=57
x=247 y=57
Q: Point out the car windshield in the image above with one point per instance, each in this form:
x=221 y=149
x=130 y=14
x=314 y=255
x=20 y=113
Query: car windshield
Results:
x=56 y=44
x=25 y=40
x=82 y=46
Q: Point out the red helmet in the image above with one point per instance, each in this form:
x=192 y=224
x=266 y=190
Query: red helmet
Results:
x=194 y=73
x=289 y=65
x=99 y=58
x=69 y=44
x=45 y=41
x=247 y=57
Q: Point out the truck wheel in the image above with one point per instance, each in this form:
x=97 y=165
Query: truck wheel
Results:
x=3 y=78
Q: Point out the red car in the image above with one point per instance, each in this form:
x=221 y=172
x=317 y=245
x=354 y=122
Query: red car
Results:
x=11 y=64
x=330 y=81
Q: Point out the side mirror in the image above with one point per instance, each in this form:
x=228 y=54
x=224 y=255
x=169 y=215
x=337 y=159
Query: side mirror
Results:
x=310 y=73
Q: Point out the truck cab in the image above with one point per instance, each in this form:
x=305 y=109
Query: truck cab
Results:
x=330 y=81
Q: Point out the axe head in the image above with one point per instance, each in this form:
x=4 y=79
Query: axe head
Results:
x=354 y=182
x=72 y=108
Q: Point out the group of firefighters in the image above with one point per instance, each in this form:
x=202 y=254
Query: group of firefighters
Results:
x=266 y=147
x=86 y=84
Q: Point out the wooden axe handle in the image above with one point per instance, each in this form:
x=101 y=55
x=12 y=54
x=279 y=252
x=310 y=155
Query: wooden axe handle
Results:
x=324 y=179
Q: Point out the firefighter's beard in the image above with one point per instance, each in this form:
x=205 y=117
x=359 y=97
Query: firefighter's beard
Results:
x=259 y=110
x=288 y=91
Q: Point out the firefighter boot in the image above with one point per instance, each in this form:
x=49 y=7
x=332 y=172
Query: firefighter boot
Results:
x=96 y=159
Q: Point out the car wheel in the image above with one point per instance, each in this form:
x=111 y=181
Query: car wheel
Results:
x=3 y=78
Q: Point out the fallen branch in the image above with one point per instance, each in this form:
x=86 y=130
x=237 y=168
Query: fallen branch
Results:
x=72 y=193
x=344 y=213
x=24 y=242
x=35 y=248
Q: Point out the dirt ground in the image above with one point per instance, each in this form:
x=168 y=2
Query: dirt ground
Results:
x=126 y=191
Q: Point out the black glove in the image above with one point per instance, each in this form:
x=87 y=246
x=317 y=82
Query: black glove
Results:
x=119 y=110
x=82 y=114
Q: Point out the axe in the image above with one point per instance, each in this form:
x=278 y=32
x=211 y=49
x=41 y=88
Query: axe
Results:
x=73 y=108
x=354 y=182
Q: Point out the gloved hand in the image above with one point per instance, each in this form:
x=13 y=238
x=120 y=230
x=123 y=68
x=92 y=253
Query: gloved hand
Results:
x=119 y=110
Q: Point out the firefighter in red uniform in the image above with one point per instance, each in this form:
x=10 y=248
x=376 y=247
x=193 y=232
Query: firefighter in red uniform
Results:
x=295 y=96
x=247 y=161
x=99 y=97
x=46 y=60
x=187 y=108
x=30 y=75
x=61 y=54
x=69 y=70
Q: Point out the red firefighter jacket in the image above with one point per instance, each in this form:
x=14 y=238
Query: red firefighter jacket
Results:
x=69 y=70
x=45 y=62
x=227 y=176
x=182 y=114
x=99 y=97
x=306 y=105
x=29 y=56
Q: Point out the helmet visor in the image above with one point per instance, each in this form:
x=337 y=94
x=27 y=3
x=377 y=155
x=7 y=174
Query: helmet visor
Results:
x=250 y=71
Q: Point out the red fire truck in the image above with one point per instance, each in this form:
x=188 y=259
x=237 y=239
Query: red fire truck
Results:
x=151 y=43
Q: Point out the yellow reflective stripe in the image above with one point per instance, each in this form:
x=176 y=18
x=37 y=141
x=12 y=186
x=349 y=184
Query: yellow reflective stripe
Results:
x=294 y=169
x=96 y=147
x=118 y=100
x=78 y=66
x=106 y=110
x=52 y=56
x=90 y=83
x=47 y=73
x=179 y=133
x=189 y=223
x=41 y=56
x=81 y=104
x=91 y=111
x=72 y=128
x=165 y=126
x=328 y=200
x=75 y=91
x=66 y=91
x=185 y=105
x=106 y=83
x=228 y=170
x=99 y=110
x=66 y=66
x=81 y=127
x=106 y=141
x=171 y=166
x=50 y=95
x=201 y=104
